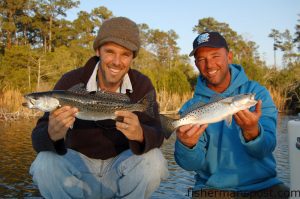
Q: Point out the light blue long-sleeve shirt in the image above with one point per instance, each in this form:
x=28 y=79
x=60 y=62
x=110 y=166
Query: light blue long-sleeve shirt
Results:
x=222 y=159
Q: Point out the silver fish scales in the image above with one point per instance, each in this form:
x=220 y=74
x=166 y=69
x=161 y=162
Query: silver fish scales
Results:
x=92 y=105
x=216 y=111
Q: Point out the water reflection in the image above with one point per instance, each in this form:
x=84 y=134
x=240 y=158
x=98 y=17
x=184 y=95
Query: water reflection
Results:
x=17 y=154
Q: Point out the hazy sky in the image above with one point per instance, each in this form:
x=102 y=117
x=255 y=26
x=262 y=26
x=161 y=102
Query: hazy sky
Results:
x=253 y=19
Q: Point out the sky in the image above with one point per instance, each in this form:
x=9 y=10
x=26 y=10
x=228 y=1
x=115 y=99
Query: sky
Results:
x=253 y=19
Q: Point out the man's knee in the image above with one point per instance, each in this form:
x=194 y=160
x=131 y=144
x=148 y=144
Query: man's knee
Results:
x=142 y=174
x=152 y=164
x=43 y=171
x=56 y=177
x=51 y=166
x=43 y=162
x=155 y=165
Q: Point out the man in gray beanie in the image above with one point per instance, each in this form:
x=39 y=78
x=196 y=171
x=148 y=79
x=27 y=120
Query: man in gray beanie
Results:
x=121 y=31
x=107 y=158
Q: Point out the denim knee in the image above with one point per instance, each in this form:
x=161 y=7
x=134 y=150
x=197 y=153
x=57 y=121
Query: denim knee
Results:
x=156 y=163
x=45 y=162
x=50 y=162
x=155 y=169
x=151 y=162
x=55 y=176
x=142 y=174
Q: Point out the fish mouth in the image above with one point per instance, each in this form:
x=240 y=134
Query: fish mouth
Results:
x=252 y=99
x=28 y=103
x=25 y=104
x=251 y=96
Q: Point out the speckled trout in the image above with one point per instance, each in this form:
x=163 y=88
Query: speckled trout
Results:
x=216 y=111
x=91 y=105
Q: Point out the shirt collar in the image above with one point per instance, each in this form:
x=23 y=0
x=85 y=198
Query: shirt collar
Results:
x=92 y=83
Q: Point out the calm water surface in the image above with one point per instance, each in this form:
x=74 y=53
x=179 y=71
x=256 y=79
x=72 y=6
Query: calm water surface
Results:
x=16 y=155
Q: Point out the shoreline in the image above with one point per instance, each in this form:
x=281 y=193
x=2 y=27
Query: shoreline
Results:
x=18 y=115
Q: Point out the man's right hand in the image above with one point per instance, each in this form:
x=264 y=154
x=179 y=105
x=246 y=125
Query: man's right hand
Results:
x=60 y=121
x=189 y=134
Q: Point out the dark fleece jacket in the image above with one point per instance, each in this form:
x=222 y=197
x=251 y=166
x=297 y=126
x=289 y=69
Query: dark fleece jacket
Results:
x=100 y=139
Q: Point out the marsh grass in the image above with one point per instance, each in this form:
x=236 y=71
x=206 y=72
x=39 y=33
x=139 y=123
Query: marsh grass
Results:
x=279 y=98
x=171 y=102
x=11 y=105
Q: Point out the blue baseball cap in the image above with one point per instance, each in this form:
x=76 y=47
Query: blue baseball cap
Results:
x=209 y=39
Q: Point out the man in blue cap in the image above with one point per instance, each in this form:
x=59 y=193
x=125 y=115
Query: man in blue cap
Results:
x=233 y=161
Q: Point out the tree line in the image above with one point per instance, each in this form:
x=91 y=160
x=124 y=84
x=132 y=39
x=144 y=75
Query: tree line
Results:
x=38 y=44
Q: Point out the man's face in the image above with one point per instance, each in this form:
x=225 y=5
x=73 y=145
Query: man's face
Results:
x=213 y=65
x=115 y=63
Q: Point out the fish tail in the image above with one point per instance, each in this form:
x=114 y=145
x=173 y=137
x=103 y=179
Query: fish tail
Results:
x=167 y=125
x=147 y=103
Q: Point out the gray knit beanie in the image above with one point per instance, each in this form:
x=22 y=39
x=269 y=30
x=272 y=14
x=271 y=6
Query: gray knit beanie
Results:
x=119 y=30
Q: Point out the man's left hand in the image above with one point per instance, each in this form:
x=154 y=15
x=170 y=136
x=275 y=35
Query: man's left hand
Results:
x=248 y=121
x=130 y=126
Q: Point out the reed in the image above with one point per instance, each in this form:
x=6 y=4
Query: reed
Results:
x=10 y=100
x=11 y=105
x=279 y=98
x=171 y=102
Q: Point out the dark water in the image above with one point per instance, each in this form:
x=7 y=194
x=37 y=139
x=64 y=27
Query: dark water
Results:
x=16 y=155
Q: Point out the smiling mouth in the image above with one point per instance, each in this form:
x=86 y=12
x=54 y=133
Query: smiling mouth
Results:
x=114 y=71
x=212 y=72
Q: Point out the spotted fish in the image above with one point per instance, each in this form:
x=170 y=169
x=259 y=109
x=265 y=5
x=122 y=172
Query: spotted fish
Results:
x=92 y=105
x=216 y=111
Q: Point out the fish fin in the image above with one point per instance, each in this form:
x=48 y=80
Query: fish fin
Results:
x=148 y=103
x=216 y=97
x=192 y=107
x=227 y=100
x=78 y=88
x=105 y=95
x=228 y=120
x=119 y=97
x=221 y=99
x=167 y=127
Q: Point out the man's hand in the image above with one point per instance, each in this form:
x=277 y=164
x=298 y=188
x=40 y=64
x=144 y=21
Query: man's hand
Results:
x=189 y=134
x=130 y=126
x=60 y=121
x=248 y=121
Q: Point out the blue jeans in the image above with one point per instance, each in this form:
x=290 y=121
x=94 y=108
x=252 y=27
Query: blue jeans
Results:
x=74 y=175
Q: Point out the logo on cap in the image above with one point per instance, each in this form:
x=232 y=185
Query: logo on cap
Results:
x=203 y=38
